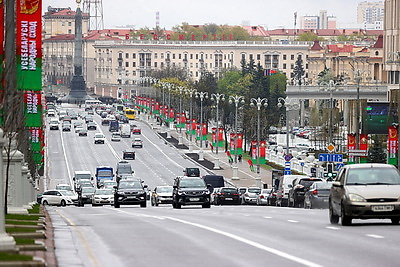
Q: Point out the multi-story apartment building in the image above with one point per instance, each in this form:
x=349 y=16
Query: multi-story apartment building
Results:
x=322 y=21
x=370 y=15
x=392 y=42
x=62 y=21
x=132 y=59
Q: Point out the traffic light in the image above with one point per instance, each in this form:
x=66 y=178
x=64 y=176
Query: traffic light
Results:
x=330 y=172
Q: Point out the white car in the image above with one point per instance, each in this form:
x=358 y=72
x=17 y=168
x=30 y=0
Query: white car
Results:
x=137 y=142
x=99 y=138
x=116 y=137
x=59 y=197
x=78 y=128
x=66 y=187
x=103 y=197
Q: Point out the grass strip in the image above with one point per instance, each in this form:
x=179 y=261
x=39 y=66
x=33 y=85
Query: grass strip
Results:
x=35 y=209
x=22 y=217
x=20 y=230
x=24 y=241
x=17 y=222
x=14 y=257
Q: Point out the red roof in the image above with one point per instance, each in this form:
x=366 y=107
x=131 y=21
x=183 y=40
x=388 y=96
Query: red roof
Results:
x=379 y=42
x=316 y=46
x=67 y=12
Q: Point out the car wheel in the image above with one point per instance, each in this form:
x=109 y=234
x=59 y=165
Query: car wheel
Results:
x=178 y=206
x=333 y=218
x=45 y=202
x=143 y=204
x=63 y=203
x=346 y=220
x=395 y=221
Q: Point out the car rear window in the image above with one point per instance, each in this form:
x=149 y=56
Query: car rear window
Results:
x=254 y=190
x=229 y=190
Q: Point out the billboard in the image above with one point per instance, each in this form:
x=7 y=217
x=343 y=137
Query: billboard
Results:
x=378 y=118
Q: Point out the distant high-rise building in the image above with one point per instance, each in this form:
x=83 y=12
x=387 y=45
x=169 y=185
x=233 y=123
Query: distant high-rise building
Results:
x=391 y=42
x=370 y=13
x=323 y=21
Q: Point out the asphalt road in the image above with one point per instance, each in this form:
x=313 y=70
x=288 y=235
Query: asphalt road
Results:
x=192 y=236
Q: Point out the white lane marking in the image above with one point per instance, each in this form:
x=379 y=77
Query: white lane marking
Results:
x=332 y=228
x=292 y=221
x=375 y=236
x=249 y=242
x=66 y=160
x=159 y=149
x=267 y=217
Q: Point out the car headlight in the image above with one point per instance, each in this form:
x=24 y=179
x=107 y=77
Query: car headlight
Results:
x=121 y=193
x=181 y=193
x=356 y=198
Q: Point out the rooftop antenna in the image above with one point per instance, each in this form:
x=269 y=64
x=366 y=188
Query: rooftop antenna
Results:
x=95 y=10
x=157 y=19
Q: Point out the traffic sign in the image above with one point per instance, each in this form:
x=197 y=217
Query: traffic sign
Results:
x=330 y=148
x=339 y=166
x=288 y=157
x=331 y=157
x=287 y=173
x=302 y=164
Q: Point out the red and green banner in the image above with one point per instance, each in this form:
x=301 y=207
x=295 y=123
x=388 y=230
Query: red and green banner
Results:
x=220 y=133
x=351 y=145
x=236 y=142
x=29 y=44
x=33 y=108
x=254 y=151
x=1 y=59
x=364 y=146
x=37 y=144
x=393 y=145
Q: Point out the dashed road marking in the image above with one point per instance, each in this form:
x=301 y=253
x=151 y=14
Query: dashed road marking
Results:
x=332 y=228
x=375 y=236
x=292 y=221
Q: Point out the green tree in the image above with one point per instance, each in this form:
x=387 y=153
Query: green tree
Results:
x=298 y=71
x=309 y=37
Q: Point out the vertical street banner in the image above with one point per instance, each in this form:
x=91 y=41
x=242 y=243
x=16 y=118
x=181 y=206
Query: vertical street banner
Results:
x=213 y=136
x=232 y=143
x=393 y=145
x=263 y=146
x=236 y=142
x=1 y=59
x=37 y=144
x=157 y=108
x=204 y=131
x=33 y=108
x=364 y=146
x=240 y=143
x=254 y=151
x=29 y=44
x=351 y=145
x=171 y=115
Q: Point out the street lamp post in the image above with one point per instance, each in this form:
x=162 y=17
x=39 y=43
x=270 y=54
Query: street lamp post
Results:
x=397 y=55
x=258 y=103
x=358 y=78
x=181 y=90
x=201 y=96
x=236 y=99
x=217 y=97
x=191 y=93
x=290 y=104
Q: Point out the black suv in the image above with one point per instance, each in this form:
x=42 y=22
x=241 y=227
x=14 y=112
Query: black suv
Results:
x=297 y=190
x=130 y=192
x=190 y=191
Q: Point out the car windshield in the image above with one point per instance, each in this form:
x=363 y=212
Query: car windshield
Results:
x=323 y=185
x=229 y=190
x=166 y=189
x=104 y=173
x=87 y=190
x=254 y=190
x=266 y=191
x=373 y=176
x=124 y=169
x=103 y=192
x=192 y=183
x=130 y=185
x=63 y=187
x=306 y=183
x=67 y=193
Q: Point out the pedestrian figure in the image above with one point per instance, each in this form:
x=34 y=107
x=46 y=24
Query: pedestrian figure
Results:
x=240 y=158
x=230 y=161
x=212 y=148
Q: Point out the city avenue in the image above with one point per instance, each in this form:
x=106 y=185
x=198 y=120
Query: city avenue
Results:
x=192 y=236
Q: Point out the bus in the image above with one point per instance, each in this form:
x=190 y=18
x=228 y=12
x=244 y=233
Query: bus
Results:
x=130 y=113
x=92 y=103
x=119 y=108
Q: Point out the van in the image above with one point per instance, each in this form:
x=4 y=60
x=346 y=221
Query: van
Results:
x=53 y=124
x=125 y=131
x=285 y=183
x=113 y=126
x=214 y=181
x=81 y=175
x=191 y=172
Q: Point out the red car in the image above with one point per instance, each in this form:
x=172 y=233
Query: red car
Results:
x=136 y=131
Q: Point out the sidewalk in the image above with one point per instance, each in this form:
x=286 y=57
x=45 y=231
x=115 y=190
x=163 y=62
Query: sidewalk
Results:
x=246 y=176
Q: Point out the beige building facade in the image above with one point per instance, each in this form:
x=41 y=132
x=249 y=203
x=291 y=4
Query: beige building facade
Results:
x=392 y=41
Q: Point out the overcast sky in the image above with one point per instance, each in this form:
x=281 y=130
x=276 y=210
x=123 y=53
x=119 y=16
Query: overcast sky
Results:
x=271 y=14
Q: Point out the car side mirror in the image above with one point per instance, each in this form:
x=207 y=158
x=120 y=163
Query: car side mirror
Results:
x=337 y=184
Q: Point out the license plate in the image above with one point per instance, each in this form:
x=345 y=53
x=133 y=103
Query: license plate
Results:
x=383 y=208
x=228 y=198
x=194 y=199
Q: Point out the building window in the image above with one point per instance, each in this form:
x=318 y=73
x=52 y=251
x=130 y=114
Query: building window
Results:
x=291 y=66
x=69 y=31
x=69 y=23
x=291 y=57
x=126 y=55
x=284 y=57
x=243 y=56
x=179 y=56
x=284 y=66
x=162 y=55
x=258 y=57
x=155 y=55
x=127 y=64
x=191 y=56
x=134 y=56
x=134 y=64
x=155 y=64
x=173 y=56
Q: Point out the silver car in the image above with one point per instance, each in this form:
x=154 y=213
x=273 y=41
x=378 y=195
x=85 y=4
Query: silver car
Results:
x=365 y=191
x=250 y=196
